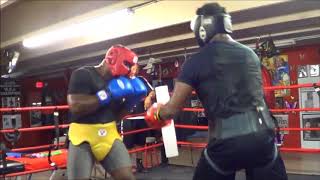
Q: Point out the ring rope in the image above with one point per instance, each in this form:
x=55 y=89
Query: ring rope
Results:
x=33 y=128
x=34 y=171
x=18 y=109
x=202 y=145
x=34 y=147
x=291 y=86
x=272 y=110
x=137 y=131
x=63 y=107
x=185 y=126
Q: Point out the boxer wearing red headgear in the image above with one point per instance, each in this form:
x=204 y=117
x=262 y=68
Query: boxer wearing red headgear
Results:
x=120 y=59
x=98 y=97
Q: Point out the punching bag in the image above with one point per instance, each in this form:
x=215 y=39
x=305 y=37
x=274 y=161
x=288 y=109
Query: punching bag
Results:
x=266 y=81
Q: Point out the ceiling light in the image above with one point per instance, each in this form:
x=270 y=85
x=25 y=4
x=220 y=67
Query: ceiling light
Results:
x=13 y=62
x=3 y=1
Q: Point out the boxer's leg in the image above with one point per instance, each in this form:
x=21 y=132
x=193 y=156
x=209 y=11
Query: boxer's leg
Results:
x=80 y=161
x=118 y=162
x=204 y=171
x=275 y=172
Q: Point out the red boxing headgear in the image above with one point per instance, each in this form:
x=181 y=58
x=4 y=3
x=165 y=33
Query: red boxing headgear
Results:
x=120 y=59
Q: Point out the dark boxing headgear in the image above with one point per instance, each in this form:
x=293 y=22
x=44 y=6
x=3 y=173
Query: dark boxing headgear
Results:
x=210 y=20
x=120 y=59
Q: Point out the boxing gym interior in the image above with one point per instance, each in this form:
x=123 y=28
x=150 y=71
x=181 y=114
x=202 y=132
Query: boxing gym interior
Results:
x=43 y=42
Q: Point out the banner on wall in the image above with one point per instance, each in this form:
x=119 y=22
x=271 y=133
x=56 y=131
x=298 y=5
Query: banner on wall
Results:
x=278 y=68
x=10 y=93
x=10 y=97
x=283 y=121
x=10 y=121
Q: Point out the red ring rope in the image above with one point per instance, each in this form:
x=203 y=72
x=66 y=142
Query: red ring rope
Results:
x=184 y=126
x=34 y=147
x=137 y=131
x=202 y=145
x=295 y=110
x=33 y=171
x=145 y=148
x=133 y=115
x=62 y=107
x=272 y=110
x=33 y=128
x=291 y=86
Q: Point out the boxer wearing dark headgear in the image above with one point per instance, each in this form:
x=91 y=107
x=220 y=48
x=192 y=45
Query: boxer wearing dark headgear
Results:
x=98 y=97
x=226 y=76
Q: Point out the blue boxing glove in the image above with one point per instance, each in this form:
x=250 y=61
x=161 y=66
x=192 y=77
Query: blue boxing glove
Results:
x=140 y=91
x=116 y=89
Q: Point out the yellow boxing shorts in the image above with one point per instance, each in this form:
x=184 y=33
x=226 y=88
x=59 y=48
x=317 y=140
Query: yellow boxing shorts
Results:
x=99 y=136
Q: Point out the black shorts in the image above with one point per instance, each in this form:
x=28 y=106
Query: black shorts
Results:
x=252 y=152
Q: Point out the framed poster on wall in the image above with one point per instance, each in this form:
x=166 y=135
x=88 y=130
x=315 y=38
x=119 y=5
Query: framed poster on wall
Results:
x=314 y=70
x=311 y=121
x=309 y=98
x=283 y=121
x=35 y=118
x=10 y=121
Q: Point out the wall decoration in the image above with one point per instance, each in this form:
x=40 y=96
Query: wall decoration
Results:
x=283 y=121
x=309 y=98
x=279 y=104
x=302 y=71
x=311 y=122
x=314 y=70
x=279 y=69
x=10 y=92
x=35 y=118
x=10 y=121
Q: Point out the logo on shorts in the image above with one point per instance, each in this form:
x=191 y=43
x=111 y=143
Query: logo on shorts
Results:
x=102 y=132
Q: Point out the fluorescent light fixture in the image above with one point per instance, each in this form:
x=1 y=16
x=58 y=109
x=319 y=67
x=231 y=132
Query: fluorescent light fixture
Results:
x=13 y=62
x=3 y=1
x=103 y=24
x=5 y=76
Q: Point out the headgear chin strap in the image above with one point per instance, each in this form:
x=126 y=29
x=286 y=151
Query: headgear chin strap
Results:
x=206 y=27
x=120 y=59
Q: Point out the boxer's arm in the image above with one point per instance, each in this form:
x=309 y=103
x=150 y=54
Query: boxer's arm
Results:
x=82 y=104
x=81 y=99
x=181 y=93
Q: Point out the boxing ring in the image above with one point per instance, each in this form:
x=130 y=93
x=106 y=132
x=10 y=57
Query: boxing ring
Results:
x=55 y=162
